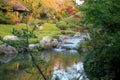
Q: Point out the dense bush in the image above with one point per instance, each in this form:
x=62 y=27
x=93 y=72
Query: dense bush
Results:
x=104 y=53
x=59 y=16
x=67 y=32
x=18 y=44
x=72 y=20
x=3 y=18
x=101 y=18
x=69 y=23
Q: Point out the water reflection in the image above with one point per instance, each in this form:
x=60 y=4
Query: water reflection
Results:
x=74 y=72
x=65 y=66
x=7 y=58
x=63 y=63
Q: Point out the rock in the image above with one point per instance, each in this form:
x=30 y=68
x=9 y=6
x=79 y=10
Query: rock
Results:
x=62 y=37
x=6 y=49
x=77 y=34
x=40 y=27
x=46 y=42
x=55 y=43
x=87 y=37
x=32 y=46
x=10 y=37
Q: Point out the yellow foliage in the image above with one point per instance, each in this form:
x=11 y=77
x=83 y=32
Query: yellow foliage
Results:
x=11 y=17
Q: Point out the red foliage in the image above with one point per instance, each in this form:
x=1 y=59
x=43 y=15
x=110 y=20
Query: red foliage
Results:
x=70 y=9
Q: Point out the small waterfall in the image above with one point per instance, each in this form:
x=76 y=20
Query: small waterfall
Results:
x=74 y=72
x=69 y=45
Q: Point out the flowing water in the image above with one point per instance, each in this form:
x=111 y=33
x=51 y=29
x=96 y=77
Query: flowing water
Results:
x=62 y=63
x=74 y=71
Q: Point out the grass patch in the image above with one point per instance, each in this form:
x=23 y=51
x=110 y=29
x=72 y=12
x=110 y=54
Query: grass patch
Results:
x=48 y=30
x=7 y=29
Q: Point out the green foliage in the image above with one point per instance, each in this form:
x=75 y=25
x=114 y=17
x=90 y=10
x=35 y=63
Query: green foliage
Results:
x=48 y=30
x=3 y=18
x=71 y=20
x=43 y=15
x=18 y=44
x=67 y=32
x=24 y=33
x=102 y=20
x=69 y=23
x=103 y=55
x=59 y=15
x=62 y=25
x=7 y=29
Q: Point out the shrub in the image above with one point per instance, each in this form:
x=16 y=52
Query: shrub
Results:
x=62 y=25
x=59 y=16
x=71 y=25
x=18 y=44
x=67 y=32
x=43 y=15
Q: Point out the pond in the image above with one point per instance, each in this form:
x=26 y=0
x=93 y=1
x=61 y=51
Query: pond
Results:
x=62 y=63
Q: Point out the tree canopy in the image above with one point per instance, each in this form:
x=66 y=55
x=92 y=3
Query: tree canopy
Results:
x=5 y=12
x=102 y=19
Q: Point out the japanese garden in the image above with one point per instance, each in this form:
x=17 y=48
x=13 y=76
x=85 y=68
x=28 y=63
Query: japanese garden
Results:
x=59 y=39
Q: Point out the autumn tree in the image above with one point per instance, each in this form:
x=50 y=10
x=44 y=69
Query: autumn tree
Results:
x=6 y=15
x=33 y=5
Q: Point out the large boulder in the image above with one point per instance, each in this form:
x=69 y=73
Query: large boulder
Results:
x=8 y=37
x=55 y=43
x=46 y=42
x=6 y=49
